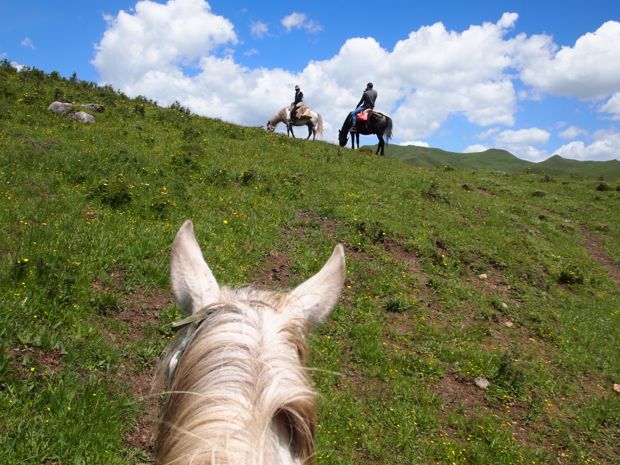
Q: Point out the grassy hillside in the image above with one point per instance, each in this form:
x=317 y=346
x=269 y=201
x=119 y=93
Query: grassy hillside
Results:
x=452 y=275
x=501 y=160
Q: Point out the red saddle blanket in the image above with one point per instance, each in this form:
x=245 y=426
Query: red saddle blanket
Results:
x=363 y=115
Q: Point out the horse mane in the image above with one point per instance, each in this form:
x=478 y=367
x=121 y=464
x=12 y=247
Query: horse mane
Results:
x=238 y=383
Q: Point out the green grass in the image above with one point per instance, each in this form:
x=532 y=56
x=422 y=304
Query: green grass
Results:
x=88 y=213
x=503 y=161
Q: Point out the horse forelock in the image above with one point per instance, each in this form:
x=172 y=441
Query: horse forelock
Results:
x=238 y=385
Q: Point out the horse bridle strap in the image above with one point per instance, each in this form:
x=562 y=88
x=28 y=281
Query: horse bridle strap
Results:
x=192 y=323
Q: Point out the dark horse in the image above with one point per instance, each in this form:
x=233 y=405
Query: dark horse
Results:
x=377 y=123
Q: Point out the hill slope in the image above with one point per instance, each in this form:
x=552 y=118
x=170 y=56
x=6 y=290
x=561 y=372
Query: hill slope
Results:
x=452 y=276
x=501 y=160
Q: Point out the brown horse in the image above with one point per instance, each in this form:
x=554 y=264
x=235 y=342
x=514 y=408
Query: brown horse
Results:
x=377 y=123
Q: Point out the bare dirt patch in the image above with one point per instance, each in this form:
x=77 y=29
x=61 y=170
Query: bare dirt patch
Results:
x=596 y=251
x=455 y=392
x=143 y=434
x=274 y=271
x=24 y=358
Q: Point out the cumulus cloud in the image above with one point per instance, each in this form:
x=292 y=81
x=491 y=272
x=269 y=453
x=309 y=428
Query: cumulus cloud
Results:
x=158 y=38
x=606 y=146
x=524 y=143
x=300 y=21
x=259 y=29
x=589 y=69
x=572 y=132
x=612 y=106
x=475 y=148
x=27 y=42
x=417 y=143
x=421 y=82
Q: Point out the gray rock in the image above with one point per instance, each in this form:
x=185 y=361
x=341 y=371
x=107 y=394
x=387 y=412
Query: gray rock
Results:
x=481 y=382
x=60 y=108
x=95 y=107
x=83 y=117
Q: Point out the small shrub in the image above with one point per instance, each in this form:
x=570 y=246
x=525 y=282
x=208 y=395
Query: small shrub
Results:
x=248 y=177
x=396 y=305
x=433 y=193
x=509 y=376
x=374 y=231
x=539 y=193
x=603 y=187
x=114 y=194
x=571 y=275
x=105 y=303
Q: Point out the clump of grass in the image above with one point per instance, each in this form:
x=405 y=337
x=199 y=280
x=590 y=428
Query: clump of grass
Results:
x=571 y=275
x=433 y=193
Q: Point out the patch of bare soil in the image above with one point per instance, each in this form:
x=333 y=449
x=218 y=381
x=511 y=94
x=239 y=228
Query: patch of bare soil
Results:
x=47 y=361
x=142 y=306
x=143 y=434
x=412 y=258
x=485 y=192
x=455 y=392
x=596 y=251
x=274 y=271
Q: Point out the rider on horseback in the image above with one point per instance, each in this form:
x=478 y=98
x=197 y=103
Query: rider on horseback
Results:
x=298 y=102
x=366 y=102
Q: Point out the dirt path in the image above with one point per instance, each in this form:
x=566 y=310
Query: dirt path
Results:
x=594 y=248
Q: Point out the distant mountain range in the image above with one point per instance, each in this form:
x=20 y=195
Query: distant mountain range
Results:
x=501 y=160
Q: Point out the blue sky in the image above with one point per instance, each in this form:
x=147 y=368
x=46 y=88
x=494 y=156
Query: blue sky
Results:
x=535 y=78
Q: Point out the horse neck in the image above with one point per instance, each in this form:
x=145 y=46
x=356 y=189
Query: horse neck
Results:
x=240 y=394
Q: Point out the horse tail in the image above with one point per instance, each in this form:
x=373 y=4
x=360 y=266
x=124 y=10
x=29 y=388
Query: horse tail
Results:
x=388 y=128
x=319 y=125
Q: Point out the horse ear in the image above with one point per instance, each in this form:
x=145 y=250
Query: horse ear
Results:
x=193 y=283
x=316 y=297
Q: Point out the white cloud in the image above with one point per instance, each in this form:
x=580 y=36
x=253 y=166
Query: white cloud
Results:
x=159 y=38
x=251 y=52
x=417 y=143
x=259 y=29
x=27 y=42
x=421 y=82
x=475 y=148
x=572 y=132
x=488 y=133
x=523 y=136
x=298 y=21
x=612 y=106
x=523 y=142
x=589 y=69
x=606 y=146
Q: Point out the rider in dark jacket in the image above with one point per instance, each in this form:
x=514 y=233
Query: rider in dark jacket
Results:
x=366 y=102
x=299 y=98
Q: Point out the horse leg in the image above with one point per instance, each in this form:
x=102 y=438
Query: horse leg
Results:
x=292 y=133
x=357 y=139
x=309 y=131
x=380 y=145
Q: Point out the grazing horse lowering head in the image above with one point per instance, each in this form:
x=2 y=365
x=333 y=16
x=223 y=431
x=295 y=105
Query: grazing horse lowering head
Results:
x=235 y=387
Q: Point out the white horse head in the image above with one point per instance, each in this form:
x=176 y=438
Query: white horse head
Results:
x=236 y=388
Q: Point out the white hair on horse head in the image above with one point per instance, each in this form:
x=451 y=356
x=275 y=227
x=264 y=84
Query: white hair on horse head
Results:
x=235 y=387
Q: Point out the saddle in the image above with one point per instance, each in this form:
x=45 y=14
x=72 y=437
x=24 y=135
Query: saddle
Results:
x=363 y=115
x=303 y=111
